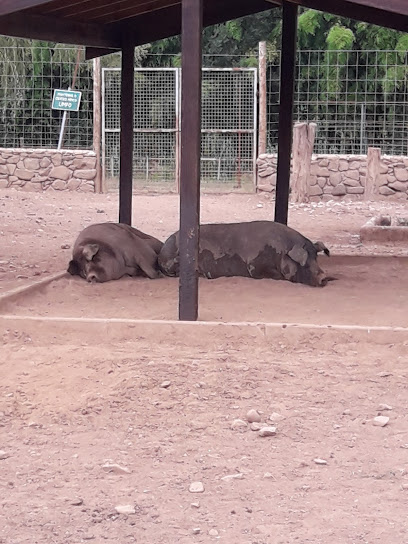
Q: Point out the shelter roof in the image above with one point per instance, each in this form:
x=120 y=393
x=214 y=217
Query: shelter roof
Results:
x=105 y=23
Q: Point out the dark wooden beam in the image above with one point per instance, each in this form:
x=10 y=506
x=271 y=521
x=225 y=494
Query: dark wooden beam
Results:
x=95 y=52
x=394 y=16
x=53 y=29
x=396 y=6
x=287 y=89
x=167 y=21
x=126 y=133
x=192 y=15
x=96 y=10
x=11 y=6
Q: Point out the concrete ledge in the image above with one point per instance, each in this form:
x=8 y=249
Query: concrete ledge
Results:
x=59 y=330
x=383 y=229
x=14 y=294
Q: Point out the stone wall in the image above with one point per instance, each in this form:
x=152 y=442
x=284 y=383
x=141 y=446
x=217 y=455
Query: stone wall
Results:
x=46 y=169
x=336 y=176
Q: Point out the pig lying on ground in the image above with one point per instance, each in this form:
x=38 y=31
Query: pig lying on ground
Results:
x=257 y=249
x=108 y=251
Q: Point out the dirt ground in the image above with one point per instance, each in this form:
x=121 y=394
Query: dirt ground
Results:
x=101 y=439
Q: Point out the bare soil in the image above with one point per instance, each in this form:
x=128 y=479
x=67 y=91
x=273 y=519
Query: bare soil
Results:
x=163 y=409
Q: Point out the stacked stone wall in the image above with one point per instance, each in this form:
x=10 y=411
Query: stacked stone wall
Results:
x=342 y=175
x=47 y=170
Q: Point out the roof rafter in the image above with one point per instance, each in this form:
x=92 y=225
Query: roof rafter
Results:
x=11 y=6
x=360 y=10
x=51 y=29
x=148 y=27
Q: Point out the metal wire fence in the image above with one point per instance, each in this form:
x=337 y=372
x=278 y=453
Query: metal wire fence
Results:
x=357 y=98
x=228 y=143
x=28 y=76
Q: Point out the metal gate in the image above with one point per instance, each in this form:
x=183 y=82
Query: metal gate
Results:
x=228 y=143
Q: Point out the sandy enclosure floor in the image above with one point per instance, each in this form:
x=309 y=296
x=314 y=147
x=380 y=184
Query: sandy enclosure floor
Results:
x=368 y=291
x=37 y=231
x=166 y=414
x=161 y=411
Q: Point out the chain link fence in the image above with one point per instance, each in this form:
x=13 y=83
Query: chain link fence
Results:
x=358 y=99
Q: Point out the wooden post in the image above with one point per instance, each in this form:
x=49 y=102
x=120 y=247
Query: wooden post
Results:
x=191 y=31
x=303 y=141
x=373 y=173
x=97 y=122
x=262 y=98
x=126 y=133
x=287 y=85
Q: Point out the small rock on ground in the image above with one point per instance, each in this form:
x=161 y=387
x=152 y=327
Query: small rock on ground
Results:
x=267 y=431
x=239 y=424
x=125 y=509
x=381 y=421
x=320 y=461
x=253 y=416
x=196 y=487
x=116 y=469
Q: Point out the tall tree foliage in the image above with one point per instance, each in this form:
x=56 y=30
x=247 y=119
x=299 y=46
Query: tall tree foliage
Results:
x=231 y=42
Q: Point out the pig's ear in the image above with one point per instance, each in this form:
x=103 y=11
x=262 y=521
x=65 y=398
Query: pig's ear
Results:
x=89 y=251
x=299 y=255
x=321 y=247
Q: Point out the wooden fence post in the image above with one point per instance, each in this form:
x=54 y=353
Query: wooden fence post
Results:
x=303 y=141
x=373 y=173
x=97 y=122
x=262 y=99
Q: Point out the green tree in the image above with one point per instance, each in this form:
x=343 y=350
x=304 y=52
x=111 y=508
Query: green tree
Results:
x=231 y=43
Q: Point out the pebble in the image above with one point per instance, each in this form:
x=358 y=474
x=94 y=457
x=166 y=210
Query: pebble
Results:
x=383 y=407
x=275 y=417
x=268 y=475
x=77 y=502
x=213 y=532
x=195 y=504
x=381 y=421
x=320 y=461
x=238 y=424
x=165 y=384
x=100 y=211
x=196 y=487
x=253 y=416
x=117 y=469
x=3 y=454
x=256 y=426
x=267 y=431
x=65 y=246
x=237 y=476
x=196 y=531
x=125 y=509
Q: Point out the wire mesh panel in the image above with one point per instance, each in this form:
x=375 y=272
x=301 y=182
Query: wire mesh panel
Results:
x=357 y=98
x=156 y=127
x=228 y=121
x=28 y=76
x=228 y=148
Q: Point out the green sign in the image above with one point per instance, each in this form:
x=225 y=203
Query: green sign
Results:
x=66 y=100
